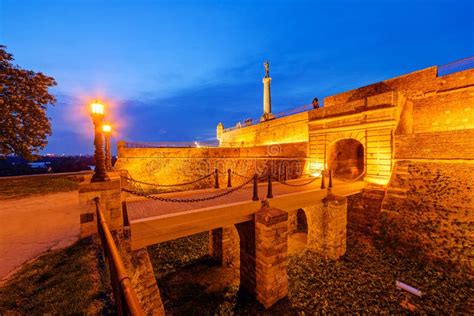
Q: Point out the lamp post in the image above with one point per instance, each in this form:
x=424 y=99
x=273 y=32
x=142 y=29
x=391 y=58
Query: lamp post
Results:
x=97 y=114
x=106 y=128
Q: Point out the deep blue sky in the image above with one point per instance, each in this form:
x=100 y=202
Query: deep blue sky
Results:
x=171 y=70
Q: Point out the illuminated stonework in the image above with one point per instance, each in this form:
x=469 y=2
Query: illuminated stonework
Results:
x=410 y=139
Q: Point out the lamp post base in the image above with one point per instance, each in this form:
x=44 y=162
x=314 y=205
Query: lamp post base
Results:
x=100 y=177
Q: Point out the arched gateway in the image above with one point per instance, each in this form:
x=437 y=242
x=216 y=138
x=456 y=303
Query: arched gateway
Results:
x=346 y=159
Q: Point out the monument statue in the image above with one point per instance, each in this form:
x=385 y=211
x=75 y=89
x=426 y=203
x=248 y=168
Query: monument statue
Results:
x=267 y=69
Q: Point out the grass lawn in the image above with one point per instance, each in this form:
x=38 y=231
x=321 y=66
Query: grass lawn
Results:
x=362 y=281
x=36 y=185
x=62 y=282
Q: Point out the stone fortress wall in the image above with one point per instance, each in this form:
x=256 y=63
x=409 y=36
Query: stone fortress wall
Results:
x=180 y=165
x=288 y=129
x=427 y=207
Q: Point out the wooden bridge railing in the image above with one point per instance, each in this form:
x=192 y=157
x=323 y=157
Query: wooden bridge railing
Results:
x=124 y=295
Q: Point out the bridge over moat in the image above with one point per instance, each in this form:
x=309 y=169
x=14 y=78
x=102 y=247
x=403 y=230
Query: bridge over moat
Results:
x=261 y=225
x=154 y=221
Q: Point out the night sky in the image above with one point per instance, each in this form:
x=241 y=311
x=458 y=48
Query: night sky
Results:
x=171 y=70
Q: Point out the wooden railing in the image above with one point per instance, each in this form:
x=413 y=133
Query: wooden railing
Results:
x=125 y=297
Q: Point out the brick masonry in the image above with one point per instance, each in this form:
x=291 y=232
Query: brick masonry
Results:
x=109 y=194
x=263 y=253
x=179 y=165
x=247 y=256
x=271 y=230
x=363 y=210
x=327 y=227
x=427 y=209
x=142 y=277
x=289 y=129
x=224 y=246
x=428 y=212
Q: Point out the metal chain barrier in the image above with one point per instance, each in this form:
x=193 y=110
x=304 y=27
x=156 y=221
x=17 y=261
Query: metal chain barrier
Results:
x=154 y=190
x=295 y=185
x=353 y=180
x=168 y=185
x=188 y=200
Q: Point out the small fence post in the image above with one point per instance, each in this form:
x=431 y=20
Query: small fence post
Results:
x=255 y=188
x=269 y=191
x=216 y=185
x=323 y=185
x=229 y=179
x=330 y=179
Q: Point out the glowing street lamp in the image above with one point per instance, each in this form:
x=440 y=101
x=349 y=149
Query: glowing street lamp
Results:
x=97 y=115
x=106 y=128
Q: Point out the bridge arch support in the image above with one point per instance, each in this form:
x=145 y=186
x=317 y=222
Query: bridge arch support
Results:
x=263 y=253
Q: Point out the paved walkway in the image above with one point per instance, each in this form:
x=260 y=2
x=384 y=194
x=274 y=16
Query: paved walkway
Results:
x=143 y=208
x=33 y=225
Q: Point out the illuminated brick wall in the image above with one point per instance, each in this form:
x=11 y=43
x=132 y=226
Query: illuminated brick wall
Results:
x=289 y=129
x=179 y=165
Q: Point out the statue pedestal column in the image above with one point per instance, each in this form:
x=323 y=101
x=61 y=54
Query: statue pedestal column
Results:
x=267 y=100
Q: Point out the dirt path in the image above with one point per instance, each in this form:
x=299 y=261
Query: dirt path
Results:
x=33 y=225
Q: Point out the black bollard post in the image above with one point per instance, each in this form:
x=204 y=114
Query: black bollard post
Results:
x=229 y=179
x=323 y=185
x=330 y=179
x=269 y=191
x=216 y=185
x=255 y=188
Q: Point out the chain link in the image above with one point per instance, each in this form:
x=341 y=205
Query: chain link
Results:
x=353 y=180
x=295 y=185
x=189 y=200
x=168 y=185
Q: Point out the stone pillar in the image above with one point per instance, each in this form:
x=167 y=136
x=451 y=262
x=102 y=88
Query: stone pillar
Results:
x=271 y=240
x=109 y=194
x=224 y=246
x=267 y=100
x=327 y=227
x=292 y=222
x=247 y=256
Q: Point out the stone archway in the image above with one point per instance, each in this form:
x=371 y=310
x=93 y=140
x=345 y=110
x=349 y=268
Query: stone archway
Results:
x=298 y=226
x=346 y=158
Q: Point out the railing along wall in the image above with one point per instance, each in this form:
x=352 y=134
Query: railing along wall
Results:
x=455 y=66
x=125 y=297
x=170 y=144
x=249 y=122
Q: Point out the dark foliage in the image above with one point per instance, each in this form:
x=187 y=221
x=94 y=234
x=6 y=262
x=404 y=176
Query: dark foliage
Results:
x=362 y=282
x=24 y=99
